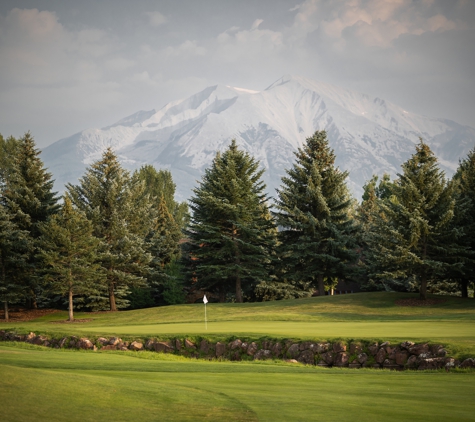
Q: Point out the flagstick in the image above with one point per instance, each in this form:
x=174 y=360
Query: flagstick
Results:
x=206 y=319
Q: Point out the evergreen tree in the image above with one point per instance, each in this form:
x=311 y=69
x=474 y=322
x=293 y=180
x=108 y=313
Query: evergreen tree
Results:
x=70 y=254
x=413 y=231
x=317 y=234
x=121 y=214
x=14 y=251
x=28 y=196
x=160 y=187
x=230 y=238
x=465 y=218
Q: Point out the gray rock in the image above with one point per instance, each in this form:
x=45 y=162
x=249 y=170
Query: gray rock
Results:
x=323 y=364
x=263 y=354
x=431 y=363
x=327 y=357
x=341 y=359
x=339 y=346
x=277 y=350
x=189 y=344
x=252 y=349
x=362 y=358
x=236 y=344
x=220 y=349
x=401 y=356
x=178 y=344
x=102 y=341
x=293 y=351
x=407 y=344
x=291 y=361
x=381 y=355
x=109 y=347
x=84 y=343
x=417 y=349
x=244 y=346
x=373 y=349
x=468 y=363
x=204 y=346
x=307 y=357
x=163 y=346
x=322 y=347
x=149 y=344
x=63 y=342
x=411 y=361
x=356 y=348
x=114 y=341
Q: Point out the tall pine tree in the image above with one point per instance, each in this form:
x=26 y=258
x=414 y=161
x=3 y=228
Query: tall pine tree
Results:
x=120 y=213
x=317 y=234
x=70 y=254
x=413 y=233
x=230 y=236
x=29 y=198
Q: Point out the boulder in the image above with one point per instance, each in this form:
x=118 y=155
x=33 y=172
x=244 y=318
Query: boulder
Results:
x=468 y=363
x=267 y=344
x=277 y=349
x=417 y=349
x=323 y=364
x=431 y=363
x=109 y=347
x=244 y=346
x=407 y=344
x=236 y=356
x=354 y=365
x=307 y=357
x=149 y=344
x=63 y=342
x=356 y=348
x=189 y=344
x=373 y=349
x=362 y=358
x=252 y=349
x=163 y=346
x=39 y=340
x=341 y=359
x=291 y=361
x=220 y=349
x=401 y=356
x=381 y=355
x=263 y=354
x=392 y=352
x=236 y=344
x=85 y=343
x=204 y=346
x=322 y=347
x=136 y=346
x=2 y=334
x=102 y=341
x=114 y=341
x=29 y=337
x=327 y=357
x=449 y=363
x=411 y=361
x=339 y=346
x=178 y=345
x=293 y=351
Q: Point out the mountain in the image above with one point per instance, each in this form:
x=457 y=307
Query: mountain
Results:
x=369 y=135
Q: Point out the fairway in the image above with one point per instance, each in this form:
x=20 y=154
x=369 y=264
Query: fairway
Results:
x=54 y=385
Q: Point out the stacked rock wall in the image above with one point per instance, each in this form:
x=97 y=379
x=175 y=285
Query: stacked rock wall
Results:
x=405 y=355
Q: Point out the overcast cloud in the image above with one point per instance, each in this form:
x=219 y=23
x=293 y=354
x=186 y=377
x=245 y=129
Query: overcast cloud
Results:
x=68 y=65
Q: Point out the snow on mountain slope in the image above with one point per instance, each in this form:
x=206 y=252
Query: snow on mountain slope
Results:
x=369 y=135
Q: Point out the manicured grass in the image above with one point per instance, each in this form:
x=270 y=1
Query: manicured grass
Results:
x=56 y=385
x=353 y=316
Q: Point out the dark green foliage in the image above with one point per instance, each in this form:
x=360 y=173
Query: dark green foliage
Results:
x=230 y=235
x=160 y=187
x=70 y=254
x=14 y=252
x=28 y=196
x=121 y=216
x=317 y=233
x=412 y=230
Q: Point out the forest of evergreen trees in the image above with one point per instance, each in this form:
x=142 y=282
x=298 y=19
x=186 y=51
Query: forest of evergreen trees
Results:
x=119 y=240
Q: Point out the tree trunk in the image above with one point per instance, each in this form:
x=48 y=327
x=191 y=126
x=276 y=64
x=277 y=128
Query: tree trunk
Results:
x=238 y=290
x=70 y=309
x=222 y=293
x=464 y=288
x=321 y=285
x=5 y=307
x=113 y=306
x=423 y=288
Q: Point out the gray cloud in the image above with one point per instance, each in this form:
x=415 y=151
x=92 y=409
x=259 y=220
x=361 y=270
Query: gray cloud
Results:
x=65 y=68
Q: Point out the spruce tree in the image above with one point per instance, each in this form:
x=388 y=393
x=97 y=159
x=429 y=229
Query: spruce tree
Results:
x=120 y=213
x=14 y=253
x=28 y=195
x=413 y=233
x=70 y=254
x=230 y=238
x=465 y=218
x=317 y=233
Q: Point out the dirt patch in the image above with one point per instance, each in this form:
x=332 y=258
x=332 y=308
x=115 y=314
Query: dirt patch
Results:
x=79 y=321
x=414 y=301
x=21 y=314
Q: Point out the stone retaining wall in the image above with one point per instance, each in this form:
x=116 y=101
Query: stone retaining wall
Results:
x=406 y=355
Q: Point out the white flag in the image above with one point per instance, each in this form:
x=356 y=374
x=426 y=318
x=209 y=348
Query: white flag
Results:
x=205 y=300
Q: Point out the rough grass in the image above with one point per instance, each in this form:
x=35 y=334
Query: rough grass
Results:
x=56 y=385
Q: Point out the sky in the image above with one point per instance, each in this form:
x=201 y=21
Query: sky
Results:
x=68 y=65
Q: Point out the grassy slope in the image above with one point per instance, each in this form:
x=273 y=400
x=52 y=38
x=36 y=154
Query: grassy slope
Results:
x=55 y=385
x=357 y=316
